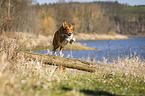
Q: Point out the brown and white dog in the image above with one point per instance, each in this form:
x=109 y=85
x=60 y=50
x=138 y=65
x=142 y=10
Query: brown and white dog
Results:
x=63 y=36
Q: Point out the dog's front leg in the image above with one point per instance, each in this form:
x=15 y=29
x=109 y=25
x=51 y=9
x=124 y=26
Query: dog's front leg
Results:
x=60 y=52
x=72 y=40
x=54 y=53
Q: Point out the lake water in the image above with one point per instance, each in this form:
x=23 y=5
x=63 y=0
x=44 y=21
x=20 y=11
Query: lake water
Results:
x=109 y=49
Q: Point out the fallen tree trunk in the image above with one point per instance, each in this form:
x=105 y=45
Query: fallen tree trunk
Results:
x=60 y=61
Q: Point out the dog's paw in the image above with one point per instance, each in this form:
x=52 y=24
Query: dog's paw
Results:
x=61 y=55
x=72 y=40
x=54 y=53
x=67 y=39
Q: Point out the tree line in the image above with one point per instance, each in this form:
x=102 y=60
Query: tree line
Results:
x=129 y=19
x=87 y=17
x=93 y=17
x=19 y=16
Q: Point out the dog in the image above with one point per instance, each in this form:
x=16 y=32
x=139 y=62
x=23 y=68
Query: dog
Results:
x=63 y=36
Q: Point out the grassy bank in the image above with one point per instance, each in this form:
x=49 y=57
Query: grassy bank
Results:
x=139 y=35
x=110 y=36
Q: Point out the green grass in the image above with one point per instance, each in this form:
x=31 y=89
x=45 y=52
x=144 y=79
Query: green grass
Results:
x=98 y=84
x=86 y=84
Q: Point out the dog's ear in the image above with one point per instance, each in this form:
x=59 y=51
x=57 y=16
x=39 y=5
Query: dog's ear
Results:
x=64 y=24
x=73 y=24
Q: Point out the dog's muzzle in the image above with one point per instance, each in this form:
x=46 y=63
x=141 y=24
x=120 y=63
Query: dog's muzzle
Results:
x=69 y=34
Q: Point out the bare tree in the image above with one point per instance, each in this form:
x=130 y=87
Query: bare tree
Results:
x=9 y=9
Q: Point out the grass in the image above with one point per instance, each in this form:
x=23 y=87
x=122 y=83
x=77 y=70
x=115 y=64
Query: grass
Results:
x=109 y=36
x=21 y=76
x=29 y=78
x=100 y=84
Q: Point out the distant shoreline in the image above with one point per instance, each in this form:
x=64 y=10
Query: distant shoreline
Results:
x=95 y=37
x=136 y=35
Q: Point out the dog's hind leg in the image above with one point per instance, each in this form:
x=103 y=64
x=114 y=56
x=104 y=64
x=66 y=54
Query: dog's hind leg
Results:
x=54 y=50
x=60 y=52
x=54 y=53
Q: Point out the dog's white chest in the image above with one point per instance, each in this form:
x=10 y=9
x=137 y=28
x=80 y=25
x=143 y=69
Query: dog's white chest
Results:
x=69 y=38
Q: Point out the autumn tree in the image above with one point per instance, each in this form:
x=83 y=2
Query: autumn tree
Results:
x=48 y=23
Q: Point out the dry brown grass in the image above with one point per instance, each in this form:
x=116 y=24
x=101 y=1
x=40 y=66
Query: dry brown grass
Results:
x=26 y=75
x=110 y=36
x=133 y=66
x=32 y=40
x=27 y=40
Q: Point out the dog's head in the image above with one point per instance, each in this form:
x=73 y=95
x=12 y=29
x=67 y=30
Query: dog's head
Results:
x=68 y=29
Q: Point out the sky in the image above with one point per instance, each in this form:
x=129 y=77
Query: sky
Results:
x=129 y=2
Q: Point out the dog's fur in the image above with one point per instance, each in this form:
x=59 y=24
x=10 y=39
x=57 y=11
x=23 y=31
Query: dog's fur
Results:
x=62 y=36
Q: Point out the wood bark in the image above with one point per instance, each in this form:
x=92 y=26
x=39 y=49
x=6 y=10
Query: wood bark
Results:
x=60 y=61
